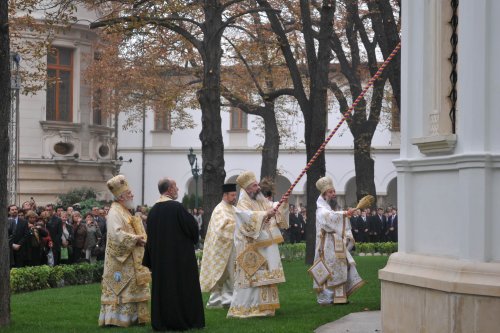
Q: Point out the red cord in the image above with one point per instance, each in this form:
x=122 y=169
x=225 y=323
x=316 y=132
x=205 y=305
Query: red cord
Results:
x=346 y=115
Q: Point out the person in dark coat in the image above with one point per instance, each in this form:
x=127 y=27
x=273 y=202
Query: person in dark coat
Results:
x=362 y=225
x=79 y=237
x=375 y=226
x=383 y=223
x=392 y=226
x=172 y=233
x=17 y=234
x=54 y=226
x=296 y=223
x=34 y=248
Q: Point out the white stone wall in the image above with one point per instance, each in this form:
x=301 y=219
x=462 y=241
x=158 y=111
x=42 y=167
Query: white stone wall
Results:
x=448 y=262
x=166 y=155
x=43 y=173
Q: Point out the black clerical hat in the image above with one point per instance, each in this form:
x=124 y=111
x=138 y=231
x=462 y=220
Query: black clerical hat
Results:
x=229 y=188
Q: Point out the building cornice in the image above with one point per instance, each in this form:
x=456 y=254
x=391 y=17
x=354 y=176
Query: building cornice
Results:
x=250 y=150
x=70 y=161
x=444 y=274
x=455 y=162
x=101 y=129
x=52 y=125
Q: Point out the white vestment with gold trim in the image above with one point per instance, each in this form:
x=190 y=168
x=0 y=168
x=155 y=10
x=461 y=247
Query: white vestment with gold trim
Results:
x=217 y=264
x=255 y=293
x=336 y=230
x=125 y=282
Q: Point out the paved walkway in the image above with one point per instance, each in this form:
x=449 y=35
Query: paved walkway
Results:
x=358 y=322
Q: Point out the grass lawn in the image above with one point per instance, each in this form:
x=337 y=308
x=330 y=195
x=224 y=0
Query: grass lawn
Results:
x=76 y=308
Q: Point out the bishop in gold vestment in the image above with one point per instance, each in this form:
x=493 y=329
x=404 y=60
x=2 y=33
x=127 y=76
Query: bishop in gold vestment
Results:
x=125 y=282
x=258 y=261
x=333 y=240
x=217 y=265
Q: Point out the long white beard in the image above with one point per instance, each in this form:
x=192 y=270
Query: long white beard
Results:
x=260 y=197
x=129 y=204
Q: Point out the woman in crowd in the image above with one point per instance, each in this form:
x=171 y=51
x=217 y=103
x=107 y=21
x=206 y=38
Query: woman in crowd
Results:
x=93 y=238
x=47 y=244
x=79 y=237
x=66 y=239
x=34 y=248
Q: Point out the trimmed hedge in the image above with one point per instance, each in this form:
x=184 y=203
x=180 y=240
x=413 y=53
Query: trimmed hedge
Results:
x=293 y=252
x=288 y=252
x=42 y=277
x=297 y=251
x=383 y=248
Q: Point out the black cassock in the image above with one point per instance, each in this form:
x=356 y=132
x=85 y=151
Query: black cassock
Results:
x=176 y=302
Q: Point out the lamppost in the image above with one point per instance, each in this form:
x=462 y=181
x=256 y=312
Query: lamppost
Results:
x=118 y=163
x=193 y=161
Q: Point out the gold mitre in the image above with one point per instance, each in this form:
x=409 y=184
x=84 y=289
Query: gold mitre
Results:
x=118 y=185
x=245 y=179
x=324 y=184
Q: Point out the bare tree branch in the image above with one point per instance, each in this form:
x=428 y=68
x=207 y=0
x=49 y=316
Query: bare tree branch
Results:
x=166 y=23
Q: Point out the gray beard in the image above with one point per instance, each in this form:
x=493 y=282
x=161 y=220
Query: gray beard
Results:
x=259 y=197
x=129 y=204
x=333 y=203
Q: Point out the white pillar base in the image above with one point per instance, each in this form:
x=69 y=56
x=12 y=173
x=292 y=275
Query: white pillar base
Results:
x=434 y=294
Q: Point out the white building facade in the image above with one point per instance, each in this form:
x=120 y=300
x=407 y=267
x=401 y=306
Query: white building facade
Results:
x=446 y=275
x=62 y=142
x=162 y=152
x=65 y=143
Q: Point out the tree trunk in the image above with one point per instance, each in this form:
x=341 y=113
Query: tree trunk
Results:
x=314 y=107
x=315 y=117
x=364 y=165
x=209 y=97
x=386 y=31
x=315 y=136
x=5 y=101
x=271 y=147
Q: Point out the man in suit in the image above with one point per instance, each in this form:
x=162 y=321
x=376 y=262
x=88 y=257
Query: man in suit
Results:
x=392 y=226
x=383 y=224
x=18 y=232
x=375 y=225
x=54 y=226
x=362 y=225
x=100 y=219
x=296 y=223
x=354 y=225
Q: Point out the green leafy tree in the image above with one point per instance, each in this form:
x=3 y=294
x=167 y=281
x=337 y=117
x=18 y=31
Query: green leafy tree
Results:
x=77 y=195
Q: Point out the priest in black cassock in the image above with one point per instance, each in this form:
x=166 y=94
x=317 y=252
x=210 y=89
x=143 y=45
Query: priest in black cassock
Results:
x=172 y=232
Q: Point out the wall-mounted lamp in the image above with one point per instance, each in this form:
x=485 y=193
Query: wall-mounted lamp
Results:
x=121 y=160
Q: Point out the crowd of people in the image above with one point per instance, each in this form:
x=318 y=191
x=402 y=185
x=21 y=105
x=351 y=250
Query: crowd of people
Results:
x=374 y=226
x=241 y=264
x=53 y=235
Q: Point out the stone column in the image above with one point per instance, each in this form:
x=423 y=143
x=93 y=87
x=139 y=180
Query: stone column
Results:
x=446 y=275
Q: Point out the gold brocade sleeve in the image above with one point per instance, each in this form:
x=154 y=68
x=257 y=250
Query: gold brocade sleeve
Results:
x=136 y=223
x=283 y=216
x=224 y=223
x=121 y=240
x=252 y=226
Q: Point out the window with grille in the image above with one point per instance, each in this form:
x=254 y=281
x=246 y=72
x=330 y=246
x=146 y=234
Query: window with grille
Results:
x=239 y=119
x=97 y=114
x=163 y=121
x=395 y=116
x=59 y=85
x=97 y=118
